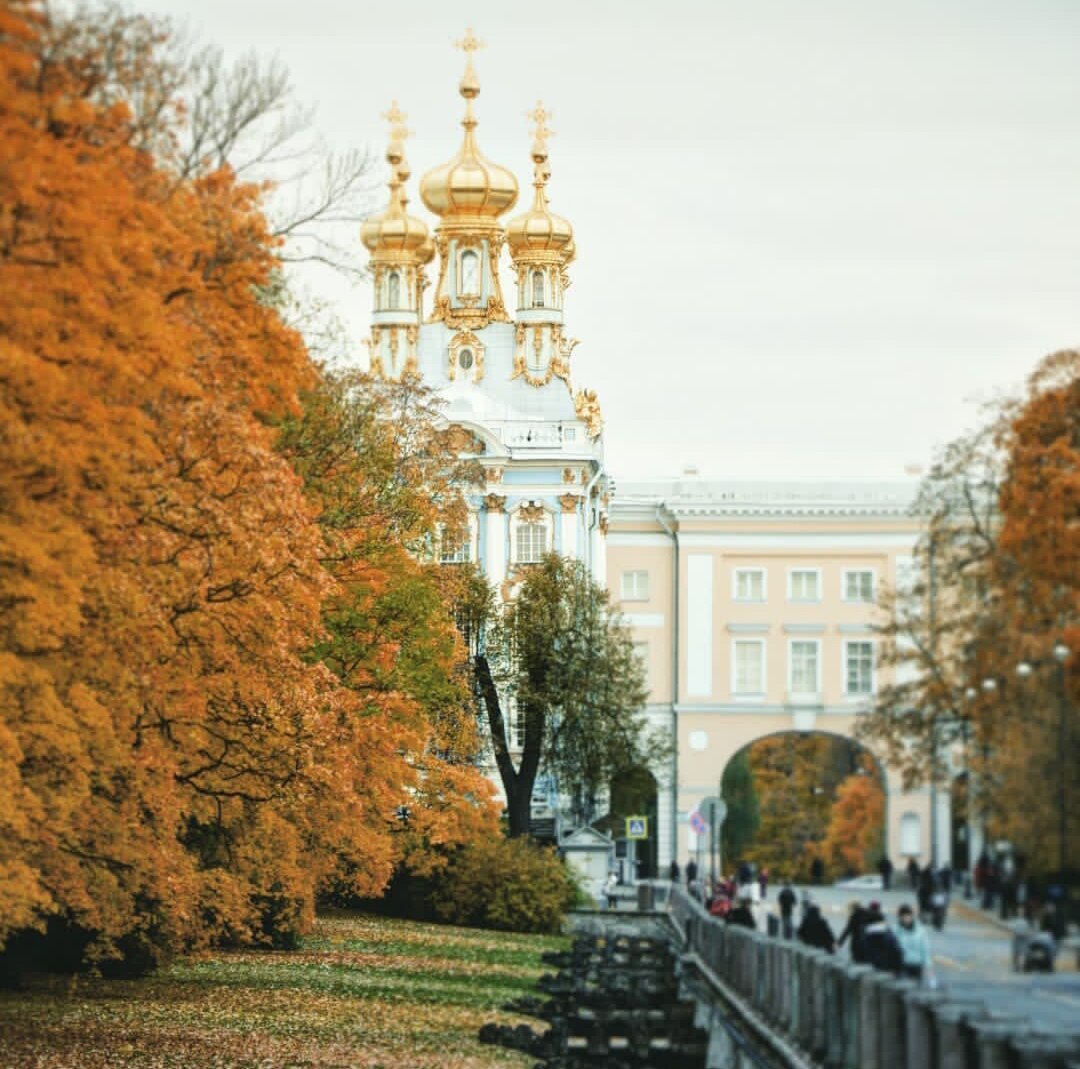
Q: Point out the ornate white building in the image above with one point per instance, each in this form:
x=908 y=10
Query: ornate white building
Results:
x=752 y=604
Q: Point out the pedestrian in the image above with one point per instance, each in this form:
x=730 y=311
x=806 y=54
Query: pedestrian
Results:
x=879 y=945
x=853 y=930
x=673 y=871
x=763 y=882
x=913 y=873
x=787 y=901
x=609 y=890
x=925 y=893
x=817 y=872
x=742 y=915
x=914 y=945
x=885 y=867
x=815 y=930
x=691 y=871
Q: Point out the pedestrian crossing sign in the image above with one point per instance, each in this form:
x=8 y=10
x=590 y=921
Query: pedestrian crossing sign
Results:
x=637 y=827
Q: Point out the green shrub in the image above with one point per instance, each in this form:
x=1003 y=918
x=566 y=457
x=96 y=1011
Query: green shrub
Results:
x=509 y=884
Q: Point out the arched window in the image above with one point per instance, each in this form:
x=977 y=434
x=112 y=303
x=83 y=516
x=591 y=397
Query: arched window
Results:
x=531 y=543
x=470 y=273
x=538 y=289
x=393 y=290
x=910 y=835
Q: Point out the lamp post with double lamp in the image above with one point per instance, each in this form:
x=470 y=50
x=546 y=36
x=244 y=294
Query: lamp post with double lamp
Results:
x=1025 y=669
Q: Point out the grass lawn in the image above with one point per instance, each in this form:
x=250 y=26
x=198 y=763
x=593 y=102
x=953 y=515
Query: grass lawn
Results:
x=363 y=991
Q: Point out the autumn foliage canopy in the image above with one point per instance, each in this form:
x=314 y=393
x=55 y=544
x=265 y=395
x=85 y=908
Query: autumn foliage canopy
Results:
x=225 y=681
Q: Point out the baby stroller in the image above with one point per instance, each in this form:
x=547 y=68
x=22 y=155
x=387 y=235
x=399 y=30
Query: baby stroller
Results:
x=1039 y=954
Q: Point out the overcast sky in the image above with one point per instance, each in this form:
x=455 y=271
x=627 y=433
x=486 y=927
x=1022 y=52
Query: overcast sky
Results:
x=812 y=236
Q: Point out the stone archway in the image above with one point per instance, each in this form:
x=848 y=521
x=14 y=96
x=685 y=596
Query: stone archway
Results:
x=708 y=740
x=790 y=798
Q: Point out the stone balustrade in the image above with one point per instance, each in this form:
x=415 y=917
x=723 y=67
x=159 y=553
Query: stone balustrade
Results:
x=814 y=1010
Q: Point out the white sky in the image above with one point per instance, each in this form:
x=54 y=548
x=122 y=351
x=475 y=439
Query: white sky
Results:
x=812 y=234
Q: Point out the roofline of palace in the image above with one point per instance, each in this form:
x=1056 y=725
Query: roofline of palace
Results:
x=692 y=497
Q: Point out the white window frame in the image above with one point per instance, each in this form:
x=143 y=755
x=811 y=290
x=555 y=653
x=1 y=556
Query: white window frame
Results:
x=910 y=834
x=791 y=580
x=763 y=572
x=749 y=695
x=857 y=695
x=792 y=642
x=515 y=725
x=462 y=253
x=872 y=572
x=516 y=523
x=468 y=542
x=633 y=594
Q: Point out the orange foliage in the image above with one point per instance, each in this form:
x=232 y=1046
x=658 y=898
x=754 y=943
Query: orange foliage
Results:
x=855 y=825
x=175 y=767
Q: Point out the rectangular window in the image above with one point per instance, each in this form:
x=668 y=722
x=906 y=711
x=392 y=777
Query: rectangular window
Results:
x=749 y=584
x=454 y=546
x=749 y=666
x=804 y=668
x=858 y=585
x=635 y=586
x=859 y=667
x=804 y=584
x=531 y=543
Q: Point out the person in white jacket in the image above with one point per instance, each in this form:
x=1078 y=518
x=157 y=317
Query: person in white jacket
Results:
x=914 y=945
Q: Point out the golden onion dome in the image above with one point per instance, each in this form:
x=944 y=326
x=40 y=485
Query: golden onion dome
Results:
x=393 y=233
x=539 y=229
x=469 y=185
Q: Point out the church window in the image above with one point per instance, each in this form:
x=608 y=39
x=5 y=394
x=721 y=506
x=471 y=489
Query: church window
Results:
x=465 y=359
x=538 y=289
x=454 y=546
x=470 y=273
x=393 y=290
x=531 y=542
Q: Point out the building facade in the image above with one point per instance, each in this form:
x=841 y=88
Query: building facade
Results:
x=752 y=605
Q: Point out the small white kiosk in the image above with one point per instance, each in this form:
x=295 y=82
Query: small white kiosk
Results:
x=591 y=855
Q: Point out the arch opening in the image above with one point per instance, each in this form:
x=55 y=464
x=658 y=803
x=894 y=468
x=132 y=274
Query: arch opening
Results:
x=808 y=806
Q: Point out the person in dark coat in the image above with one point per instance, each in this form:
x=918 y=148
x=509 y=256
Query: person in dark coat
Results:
x=815 y=931
x=691 y=871
x=881 y=949
x=858 y=917
x=913 y=873
x=742 y=915
x=787 y=901
x=673 y=871
x=817 y=872
x=885 y=867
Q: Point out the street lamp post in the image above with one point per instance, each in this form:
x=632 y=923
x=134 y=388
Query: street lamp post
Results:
x=1024 y=670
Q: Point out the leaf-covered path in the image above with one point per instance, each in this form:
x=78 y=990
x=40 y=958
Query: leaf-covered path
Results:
x=363 y=992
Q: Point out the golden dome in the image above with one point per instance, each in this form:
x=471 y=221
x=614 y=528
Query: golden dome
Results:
x=393 y=234
x=539 y=229
x=469 y=186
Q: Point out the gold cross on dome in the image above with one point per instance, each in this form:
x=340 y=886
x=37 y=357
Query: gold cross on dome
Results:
x=395 y=116
x=469 y=43
x=540 y=116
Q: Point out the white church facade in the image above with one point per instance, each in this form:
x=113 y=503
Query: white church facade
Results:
x=751 y=604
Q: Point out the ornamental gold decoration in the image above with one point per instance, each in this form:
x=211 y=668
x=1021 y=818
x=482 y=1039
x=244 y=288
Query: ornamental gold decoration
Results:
x=603 y=525
x=495 y=502
x=587 y=406
x=568 y=475
x=569 y=502
x=531 y=513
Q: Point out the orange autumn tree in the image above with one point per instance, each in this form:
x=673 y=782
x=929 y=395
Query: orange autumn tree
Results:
x=176 y=767
x=1032 y=730
x=853 y=838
